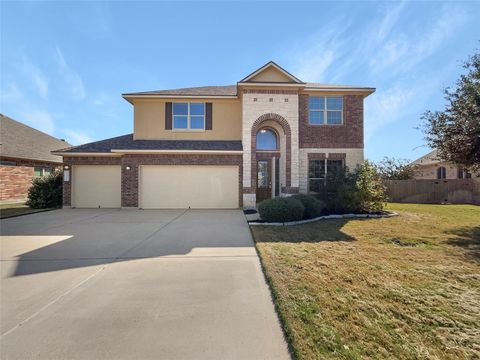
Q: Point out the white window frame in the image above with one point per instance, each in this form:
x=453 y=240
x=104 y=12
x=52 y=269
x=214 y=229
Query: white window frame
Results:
x=325 y=111
x=188 y=128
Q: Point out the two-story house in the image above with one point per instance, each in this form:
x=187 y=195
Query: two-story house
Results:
x=232 y=146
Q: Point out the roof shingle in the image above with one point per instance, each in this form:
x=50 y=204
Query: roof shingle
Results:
x=24 y=142
x=228 y=90
x=126 y=142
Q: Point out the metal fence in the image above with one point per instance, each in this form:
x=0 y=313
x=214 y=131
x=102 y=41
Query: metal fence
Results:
x=455 y=191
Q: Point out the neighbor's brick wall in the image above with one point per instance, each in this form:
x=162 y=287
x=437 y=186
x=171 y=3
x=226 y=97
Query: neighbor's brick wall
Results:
x=15 y=182
x=353 y=157
x=430 y=171
x=347 y=135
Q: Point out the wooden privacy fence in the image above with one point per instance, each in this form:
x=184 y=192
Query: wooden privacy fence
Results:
x=455 y=191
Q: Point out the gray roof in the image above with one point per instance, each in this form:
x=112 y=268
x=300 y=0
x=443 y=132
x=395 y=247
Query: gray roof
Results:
x=20 y=141
x=126 y=142
x=228 y=90
x=231 y=90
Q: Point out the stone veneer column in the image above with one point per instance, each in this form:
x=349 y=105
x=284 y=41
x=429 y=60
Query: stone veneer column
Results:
x=256 y=103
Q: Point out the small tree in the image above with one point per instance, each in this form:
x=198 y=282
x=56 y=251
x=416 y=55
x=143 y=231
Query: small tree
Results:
x=395 y=169
x=455 y=131
x=46 y=191
x=359 y=191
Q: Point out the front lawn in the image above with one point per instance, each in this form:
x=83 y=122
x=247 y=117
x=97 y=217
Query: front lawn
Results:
x=406 y=287
x=17 y=209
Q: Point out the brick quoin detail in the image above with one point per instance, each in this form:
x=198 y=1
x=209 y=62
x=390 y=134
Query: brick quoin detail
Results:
x=348 y=135
x=288 y=151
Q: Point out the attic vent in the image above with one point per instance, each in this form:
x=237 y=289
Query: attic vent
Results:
x=271 y=99
x=254 y=99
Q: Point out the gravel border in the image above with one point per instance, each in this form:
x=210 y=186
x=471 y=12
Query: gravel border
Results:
x=344 y=216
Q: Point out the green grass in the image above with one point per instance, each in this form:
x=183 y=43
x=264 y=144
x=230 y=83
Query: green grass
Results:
x=405 y=287
x=17 y=209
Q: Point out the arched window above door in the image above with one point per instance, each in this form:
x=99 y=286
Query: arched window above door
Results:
x=267 y=140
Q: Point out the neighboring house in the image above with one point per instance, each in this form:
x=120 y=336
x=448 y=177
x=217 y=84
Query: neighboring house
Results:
x=232 y=146
x=430 y=166
x=25 y=153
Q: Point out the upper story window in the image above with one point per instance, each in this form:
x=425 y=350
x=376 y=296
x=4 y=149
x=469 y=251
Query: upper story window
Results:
x=267 y=140
x=325 y=110
x=189 y=116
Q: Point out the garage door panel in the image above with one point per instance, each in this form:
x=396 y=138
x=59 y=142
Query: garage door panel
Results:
x=96 y=186
x=197 y=187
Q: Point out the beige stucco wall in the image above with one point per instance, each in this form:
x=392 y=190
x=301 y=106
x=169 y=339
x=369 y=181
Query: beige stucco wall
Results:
x=149 y=121
x=353 y=158
x=271 y=75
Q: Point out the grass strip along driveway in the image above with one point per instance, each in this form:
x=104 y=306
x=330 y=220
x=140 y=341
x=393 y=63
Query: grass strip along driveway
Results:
x=17 y=209
x=406 y=287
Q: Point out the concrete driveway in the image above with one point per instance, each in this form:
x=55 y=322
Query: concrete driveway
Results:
x=134 y=284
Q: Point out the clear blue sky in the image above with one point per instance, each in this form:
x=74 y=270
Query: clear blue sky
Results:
x=64 y=65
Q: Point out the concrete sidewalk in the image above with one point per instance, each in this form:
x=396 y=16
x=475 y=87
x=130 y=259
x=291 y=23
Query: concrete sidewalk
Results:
x=143 y=284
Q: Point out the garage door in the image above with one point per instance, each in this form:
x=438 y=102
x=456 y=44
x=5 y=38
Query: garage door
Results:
x=96 y=186
x=181 y=187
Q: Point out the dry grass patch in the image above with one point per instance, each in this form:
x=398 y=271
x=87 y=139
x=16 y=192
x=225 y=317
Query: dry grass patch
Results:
x=406 y=287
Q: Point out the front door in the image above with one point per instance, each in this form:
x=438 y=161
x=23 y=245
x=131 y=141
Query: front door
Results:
x=264 y=180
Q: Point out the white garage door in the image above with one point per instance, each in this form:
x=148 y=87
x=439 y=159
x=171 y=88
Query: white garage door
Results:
x=96 y=186
x=181 y=187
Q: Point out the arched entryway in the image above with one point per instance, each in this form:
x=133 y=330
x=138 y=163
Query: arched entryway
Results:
x=271 y=147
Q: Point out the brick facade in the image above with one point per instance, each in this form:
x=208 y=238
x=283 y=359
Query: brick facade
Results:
x=347 y=135
x=15 y=180
x=130 y=177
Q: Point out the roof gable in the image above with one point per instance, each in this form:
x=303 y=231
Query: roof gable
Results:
x=271 y=73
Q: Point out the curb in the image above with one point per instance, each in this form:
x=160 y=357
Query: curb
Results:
x=327 y=217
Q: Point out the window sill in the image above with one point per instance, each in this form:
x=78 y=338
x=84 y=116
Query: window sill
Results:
x=325 y=125
x=189 y=130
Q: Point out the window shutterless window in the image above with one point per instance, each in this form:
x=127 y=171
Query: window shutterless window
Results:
x=40 y=171
x=189 y=116
x=318 y=171
x=325 y=110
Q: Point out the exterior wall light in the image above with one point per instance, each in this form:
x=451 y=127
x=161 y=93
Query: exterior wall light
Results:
x=66 y=167
x=127 y=167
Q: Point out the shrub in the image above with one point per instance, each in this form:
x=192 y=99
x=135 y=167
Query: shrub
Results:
x=313 y=207
x=359 y=191
x=281 y=209
x=46 y=191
